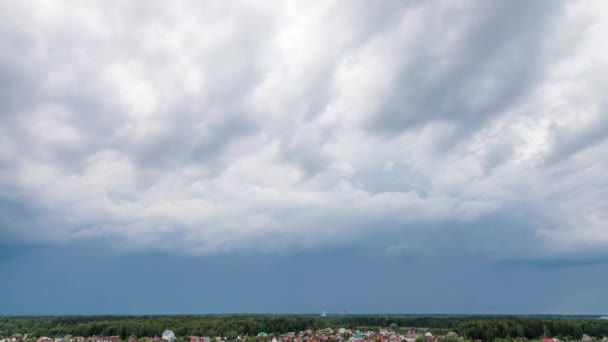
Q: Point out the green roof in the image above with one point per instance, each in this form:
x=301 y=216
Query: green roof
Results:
x=17 y=335
x=262 y=333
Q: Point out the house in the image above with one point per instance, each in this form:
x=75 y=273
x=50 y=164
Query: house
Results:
x=431 y=338
x=167 y=335
x=114 y=338
x=44 y=339
x=200 y=339
x=410 y=336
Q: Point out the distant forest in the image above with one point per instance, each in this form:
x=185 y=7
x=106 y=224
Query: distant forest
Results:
x=486 y=328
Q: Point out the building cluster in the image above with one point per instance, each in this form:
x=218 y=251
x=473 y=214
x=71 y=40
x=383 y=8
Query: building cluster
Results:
x=67 y=338
x=321 y=335
x=331 y=335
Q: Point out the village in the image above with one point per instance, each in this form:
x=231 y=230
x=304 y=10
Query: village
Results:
x=321 y=335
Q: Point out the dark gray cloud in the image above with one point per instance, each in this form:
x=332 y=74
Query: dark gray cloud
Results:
x=206 y=128
x=555 y=262
x=469 y=66
x=569 y=141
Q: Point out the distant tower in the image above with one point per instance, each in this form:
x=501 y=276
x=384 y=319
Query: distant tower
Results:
x=324 y=313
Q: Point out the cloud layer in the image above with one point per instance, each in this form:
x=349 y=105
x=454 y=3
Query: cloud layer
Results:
x=213 y=127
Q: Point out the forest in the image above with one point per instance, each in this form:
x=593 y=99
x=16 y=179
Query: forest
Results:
x=486 y=328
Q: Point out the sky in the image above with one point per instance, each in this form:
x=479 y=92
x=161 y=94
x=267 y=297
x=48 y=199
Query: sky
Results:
x=303 y=156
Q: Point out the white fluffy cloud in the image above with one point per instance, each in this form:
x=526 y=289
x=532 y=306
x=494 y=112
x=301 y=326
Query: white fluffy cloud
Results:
x=219 y=126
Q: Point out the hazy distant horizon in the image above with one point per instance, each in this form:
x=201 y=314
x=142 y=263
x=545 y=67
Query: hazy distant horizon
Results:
x=295 y=314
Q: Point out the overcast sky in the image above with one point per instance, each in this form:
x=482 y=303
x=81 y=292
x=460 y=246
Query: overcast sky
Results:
x=299 y=156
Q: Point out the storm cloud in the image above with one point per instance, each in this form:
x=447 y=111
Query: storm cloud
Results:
x=210 y=127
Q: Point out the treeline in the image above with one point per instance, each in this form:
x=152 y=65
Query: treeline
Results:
x=487 y=328
x=564 y=329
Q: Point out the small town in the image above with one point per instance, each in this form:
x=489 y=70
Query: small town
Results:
x=321 y=335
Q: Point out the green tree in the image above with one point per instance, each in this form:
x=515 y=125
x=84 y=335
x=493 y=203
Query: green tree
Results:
x=451 y=337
